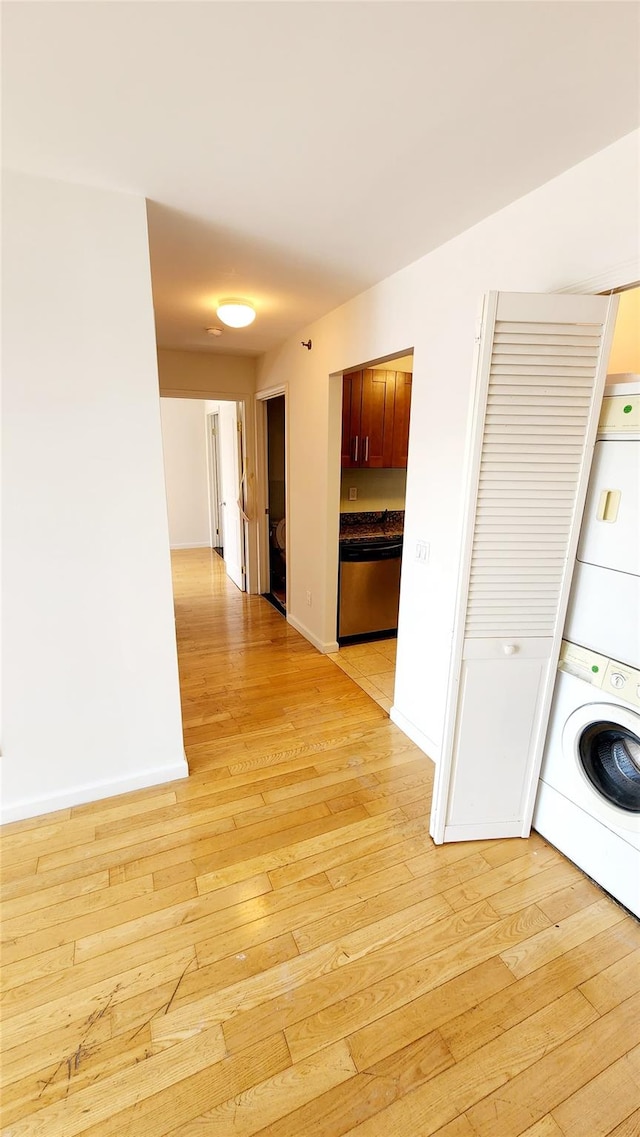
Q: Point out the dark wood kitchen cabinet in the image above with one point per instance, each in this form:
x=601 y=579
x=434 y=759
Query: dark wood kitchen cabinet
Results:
x=351 y=408
x=375 y=419
x=402 y=410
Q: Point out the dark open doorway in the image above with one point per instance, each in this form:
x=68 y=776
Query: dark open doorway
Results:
x=276 y=505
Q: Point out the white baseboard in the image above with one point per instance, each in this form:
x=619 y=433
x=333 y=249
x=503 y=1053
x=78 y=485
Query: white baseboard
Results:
x=193 y=545
x=430 y=748
x=325 y=648
x=93 y=791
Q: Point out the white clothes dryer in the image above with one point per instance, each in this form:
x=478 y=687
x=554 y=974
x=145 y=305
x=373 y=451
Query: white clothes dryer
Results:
x=604 y=608
x=588 y=802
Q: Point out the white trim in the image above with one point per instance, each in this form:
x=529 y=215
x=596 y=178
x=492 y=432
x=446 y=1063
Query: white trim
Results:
x=426 y=744
x=262 y=495
x=192 y=545
x=486 y=832
x=211 y=431
x=214 y=394
x=328 y=648
x=618 y=276
x=271 y=392
x=206 y=394
x=93 y=791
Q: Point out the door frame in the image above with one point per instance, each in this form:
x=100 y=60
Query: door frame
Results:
x=245 y=402
x=262 y=469
x=213 y=484
x=243 y=489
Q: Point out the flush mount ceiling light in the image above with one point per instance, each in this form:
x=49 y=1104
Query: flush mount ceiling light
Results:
x=236 y=313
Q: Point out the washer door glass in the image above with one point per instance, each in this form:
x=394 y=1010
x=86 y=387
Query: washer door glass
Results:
x=610 y=757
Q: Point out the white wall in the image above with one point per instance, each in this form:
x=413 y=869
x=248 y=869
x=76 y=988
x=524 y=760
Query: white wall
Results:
x=184 y=447
x=204 y=374
x=91 y=698
x=573 y=229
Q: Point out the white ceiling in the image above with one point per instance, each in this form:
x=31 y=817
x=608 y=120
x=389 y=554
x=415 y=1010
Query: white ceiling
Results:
x=296 y=153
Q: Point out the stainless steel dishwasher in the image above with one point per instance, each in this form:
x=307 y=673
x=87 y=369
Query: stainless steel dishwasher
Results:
x=369 y=587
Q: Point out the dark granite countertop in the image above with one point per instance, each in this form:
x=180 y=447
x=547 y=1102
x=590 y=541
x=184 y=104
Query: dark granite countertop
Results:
x=375 y=526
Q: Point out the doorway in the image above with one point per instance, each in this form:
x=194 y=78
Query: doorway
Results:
x=376 y=407
x=226 y=480
x=274 y=580
x=205 y=477
x=215 y=483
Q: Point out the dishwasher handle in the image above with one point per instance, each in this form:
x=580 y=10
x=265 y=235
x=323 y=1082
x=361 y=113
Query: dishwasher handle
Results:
x=366 y=551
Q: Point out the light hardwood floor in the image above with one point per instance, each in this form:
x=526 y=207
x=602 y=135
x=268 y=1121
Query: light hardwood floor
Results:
x=274 y=946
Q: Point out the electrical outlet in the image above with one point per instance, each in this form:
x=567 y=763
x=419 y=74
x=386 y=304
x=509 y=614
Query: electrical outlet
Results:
x=353 y=493
x=308 y=598
x=422 y=551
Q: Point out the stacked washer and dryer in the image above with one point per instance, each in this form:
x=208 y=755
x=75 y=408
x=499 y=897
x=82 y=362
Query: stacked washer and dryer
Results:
x=588 y=802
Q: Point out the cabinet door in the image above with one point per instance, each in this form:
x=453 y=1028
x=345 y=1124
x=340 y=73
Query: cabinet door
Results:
x=541 y=369
x=402 y=409
x=376 y=422
x=351 y=432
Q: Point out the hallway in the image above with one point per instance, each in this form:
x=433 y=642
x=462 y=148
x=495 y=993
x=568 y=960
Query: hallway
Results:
x=275 y=947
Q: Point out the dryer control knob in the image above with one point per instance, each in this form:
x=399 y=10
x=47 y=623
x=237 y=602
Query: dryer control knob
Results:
x=617 y=680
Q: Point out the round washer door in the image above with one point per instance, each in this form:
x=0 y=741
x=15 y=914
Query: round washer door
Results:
x=610 y=757
x=604 y=740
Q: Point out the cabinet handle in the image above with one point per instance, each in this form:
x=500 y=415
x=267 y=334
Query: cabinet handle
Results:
x=355 y=449
x=366 y=449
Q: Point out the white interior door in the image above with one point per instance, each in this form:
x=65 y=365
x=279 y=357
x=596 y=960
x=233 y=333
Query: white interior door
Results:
x=215 y=488
x=540 y=373
x=230 y=478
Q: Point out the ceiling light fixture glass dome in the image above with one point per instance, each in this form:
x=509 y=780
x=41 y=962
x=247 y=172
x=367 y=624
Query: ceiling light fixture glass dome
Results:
x=236 y=313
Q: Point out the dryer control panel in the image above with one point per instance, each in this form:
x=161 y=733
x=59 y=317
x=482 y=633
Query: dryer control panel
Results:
x=607 y=674
x=620 y=413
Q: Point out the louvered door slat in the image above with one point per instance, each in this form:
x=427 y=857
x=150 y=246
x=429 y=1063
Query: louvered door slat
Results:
x=543 y=370
x=565 y=449
x=544 y=404
x=543 y=339
x=513 y=337
x=564 y=332
x=542 y=350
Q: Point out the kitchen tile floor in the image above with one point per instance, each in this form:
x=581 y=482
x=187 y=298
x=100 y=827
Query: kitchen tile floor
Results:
x=372 y=666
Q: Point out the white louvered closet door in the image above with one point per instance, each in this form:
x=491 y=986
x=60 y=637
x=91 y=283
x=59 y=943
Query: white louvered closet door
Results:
x=541 y=368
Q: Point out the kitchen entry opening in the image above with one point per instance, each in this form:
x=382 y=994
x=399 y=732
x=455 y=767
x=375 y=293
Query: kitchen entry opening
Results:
x=376 y=408
x=274 y=543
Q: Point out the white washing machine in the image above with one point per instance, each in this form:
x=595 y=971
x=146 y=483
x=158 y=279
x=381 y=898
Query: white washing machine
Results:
x=588 y=802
